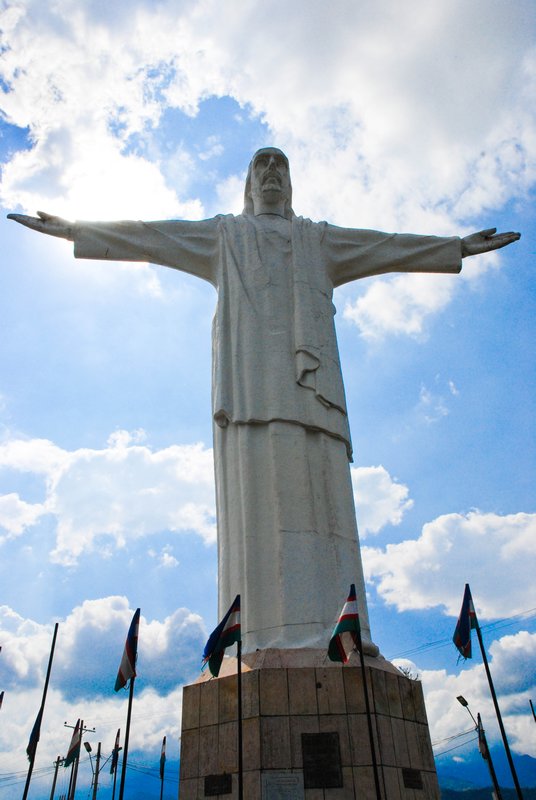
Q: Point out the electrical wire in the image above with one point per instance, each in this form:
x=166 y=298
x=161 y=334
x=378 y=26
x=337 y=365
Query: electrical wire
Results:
x=492 y=626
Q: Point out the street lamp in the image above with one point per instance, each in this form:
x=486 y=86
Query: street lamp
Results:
x=483 y=746
x=96 y=770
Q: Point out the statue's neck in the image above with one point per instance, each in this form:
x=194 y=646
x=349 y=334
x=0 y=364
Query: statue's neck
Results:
x=270 y=213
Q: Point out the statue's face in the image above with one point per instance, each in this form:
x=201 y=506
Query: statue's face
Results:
x=270 y=177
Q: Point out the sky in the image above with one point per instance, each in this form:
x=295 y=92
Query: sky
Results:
x=414 y=117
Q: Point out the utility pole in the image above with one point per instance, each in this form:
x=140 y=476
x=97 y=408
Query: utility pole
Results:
x=58 y=761
x=96 y=777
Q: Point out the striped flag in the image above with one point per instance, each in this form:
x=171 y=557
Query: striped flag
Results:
x=163 y=758
x=347 y=632
x=74 y=748
x=115 y=753
x=466 y=622
x=226 y=634
x=127 y=668
x=34 y=736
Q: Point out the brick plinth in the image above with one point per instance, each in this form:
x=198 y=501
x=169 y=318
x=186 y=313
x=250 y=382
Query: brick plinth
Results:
x=288 y=693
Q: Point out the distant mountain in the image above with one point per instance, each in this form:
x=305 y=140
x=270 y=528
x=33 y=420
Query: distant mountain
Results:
x=472 y=773
x=485 y=794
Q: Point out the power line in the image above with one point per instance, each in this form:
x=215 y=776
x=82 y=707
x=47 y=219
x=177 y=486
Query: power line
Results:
x=497 y=625
x=454 y=736
x=456 y=747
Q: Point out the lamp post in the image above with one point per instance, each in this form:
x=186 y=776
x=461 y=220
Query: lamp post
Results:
x=96 y=770
x=483 y=746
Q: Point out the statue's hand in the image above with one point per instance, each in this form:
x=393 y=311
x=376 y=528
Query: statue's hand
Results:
x=46 y=223
x=484 y=241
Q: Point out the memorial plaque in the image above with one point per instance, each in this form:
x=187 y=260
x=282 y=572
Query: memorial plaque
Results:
x=218 y=784
x=282 y=786
x=412 y=778
x=321 y=755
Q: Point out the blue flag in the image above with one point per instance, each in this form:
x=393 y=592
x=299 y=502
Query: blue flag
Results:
x=127 y=667
x=466 y=622
x=226 y=634
x=34 y=736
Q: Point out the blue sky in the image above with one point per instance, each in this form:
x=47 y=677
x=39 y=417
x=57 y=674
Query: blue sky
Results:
x=416 y=118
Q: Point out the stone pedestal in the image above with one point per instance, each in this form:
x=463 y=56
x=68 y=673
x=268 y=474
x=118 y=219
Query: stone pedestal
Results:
x=305 y=732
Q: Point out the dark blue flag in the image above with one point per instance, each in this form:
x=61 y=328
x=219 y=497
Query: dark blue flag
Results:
x=466 y=622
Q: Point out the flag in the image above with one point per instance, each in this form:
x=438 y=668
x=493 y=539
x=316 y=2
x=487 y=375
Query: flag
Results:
x=1 y=699
x=226 y=634
x=466 y=622
x=163 y=758
x=482 y=742
x=347 y=631
x=115 y=753
x=74 y=748
x=34 y=736
x=127 y=668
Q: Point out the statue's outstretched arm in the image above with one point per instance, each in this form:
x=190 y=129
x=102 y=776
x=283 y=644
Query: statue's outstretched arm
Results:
x=484 y=241
x=46 y=223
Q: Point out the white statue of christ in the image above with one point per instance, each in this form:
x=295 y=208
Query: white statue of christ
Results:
x=287 y=533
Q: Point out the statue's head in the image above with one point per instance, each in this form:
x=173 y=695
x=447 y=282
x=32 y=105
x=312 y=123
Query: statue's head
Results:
x=268 y=178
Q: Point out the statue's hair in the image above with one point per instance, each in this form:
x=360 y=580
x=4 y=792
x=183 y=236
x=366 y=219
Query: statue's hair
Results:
x=248 y=199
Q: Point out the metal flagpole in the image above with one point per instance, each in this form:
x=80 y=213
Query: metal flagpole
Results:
x=127 y=732
x=74 y=776
x=240 y=745
x=497 y=711
x=40 y=716
x=70 y=781
x=369 y=715
x=162 y=767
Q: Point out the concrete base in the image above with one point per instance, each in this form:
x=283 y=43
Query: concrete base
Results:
x=287 y=693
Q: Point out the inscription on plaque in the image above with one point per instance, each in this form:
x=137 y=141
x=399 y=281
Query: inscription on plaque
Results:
x=412 y=778
x=321 y=755
x=282 y=786
x=218 y=784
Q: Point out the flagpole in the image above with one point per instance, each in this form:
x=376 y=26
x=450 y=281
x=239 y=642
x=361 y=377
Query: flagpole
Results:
x=41 y=710
x=240 y=745
x=77 y=761
x=127 y=733
x=162 y=766
x=497 y=711
x=369 y=715
x=71 y=781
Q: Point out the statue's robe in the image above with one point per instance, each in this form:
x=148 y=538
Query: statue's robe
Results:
x=287 y=534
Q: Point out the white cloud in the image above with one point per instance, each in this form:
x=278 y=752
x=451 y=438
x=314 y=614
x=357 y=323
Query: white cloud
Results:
x=512 y=661
x=400 y=305
x=123 y=491
x=16 y=515
x=494 y=553
x=153 y=716
x=379 y=499
x=415 y=137
x=90 y=644
x=88 y=651
x=431 y=406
